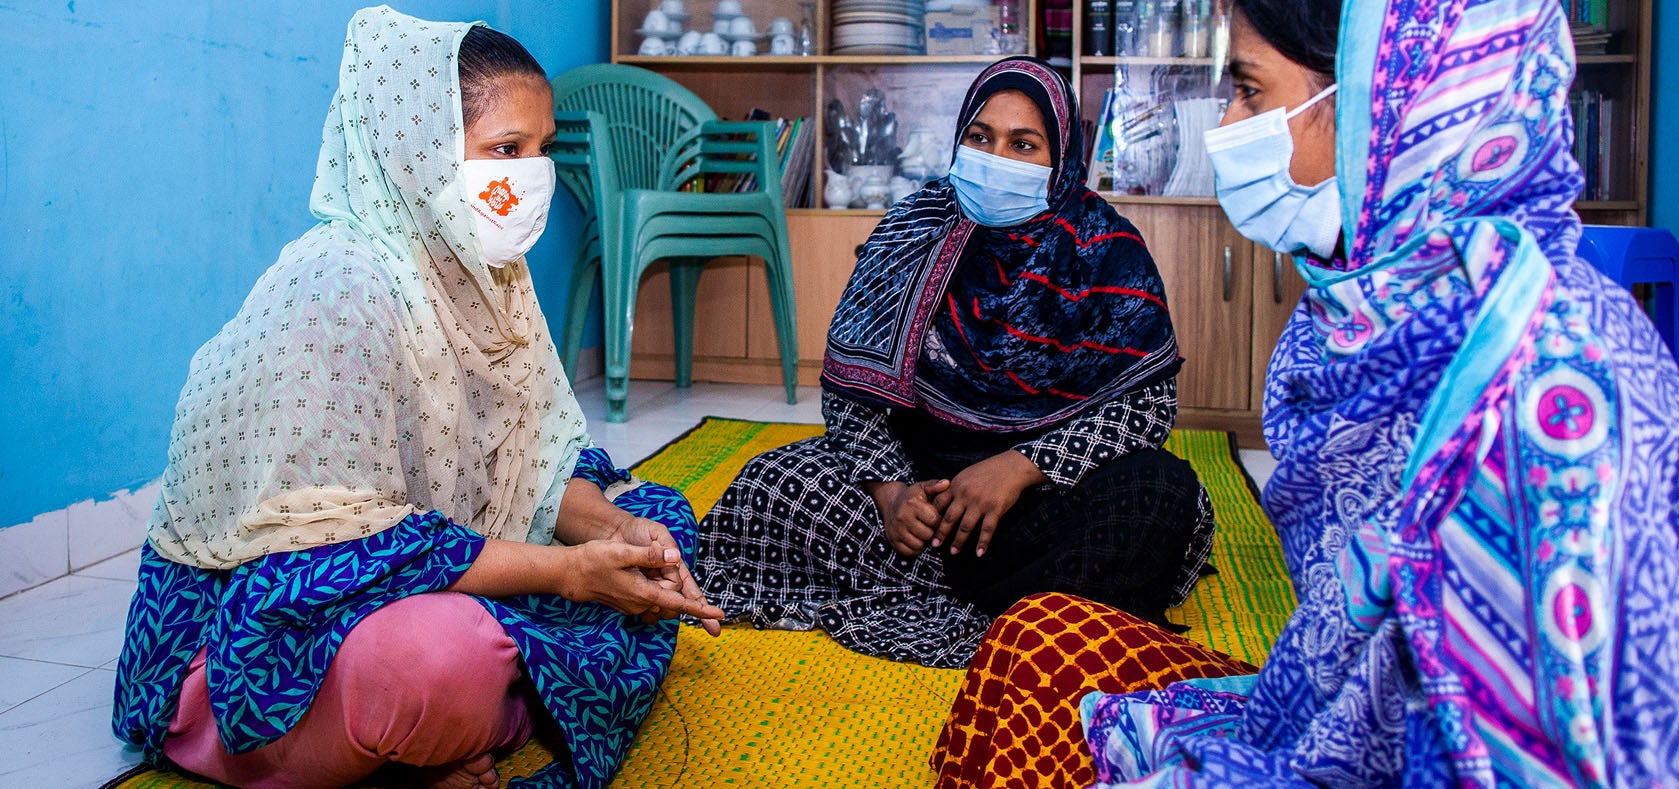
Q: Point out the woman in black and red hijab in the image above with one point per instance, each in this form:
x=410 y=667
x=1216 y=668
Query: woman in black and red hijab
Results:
x=999 y=380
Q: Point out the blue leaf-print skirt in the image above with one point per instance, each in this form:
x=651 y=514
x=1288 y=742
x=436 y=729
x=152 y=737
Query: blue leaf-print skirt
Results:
x=270 y=628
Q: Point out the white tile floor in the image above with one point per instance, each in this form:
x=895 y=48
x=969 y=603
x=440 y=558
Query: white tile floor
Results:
x=59 y=642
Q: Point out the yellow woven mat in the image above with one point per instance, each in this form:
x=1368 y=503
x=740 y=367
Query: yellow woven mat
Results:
x=779 y=709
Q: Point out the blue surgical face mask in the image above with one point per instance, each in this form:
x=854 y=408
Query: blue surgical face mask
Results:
x=997 y=191
x=1250 y=174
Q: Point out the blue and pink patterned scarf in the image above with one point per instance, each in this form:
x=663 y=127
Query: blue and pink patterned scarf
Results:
x=1478 y=480
x=1003 y=329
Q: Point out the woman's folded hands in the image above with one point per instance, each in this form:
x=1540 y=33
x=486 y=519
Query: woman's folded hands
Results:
x=934 y=513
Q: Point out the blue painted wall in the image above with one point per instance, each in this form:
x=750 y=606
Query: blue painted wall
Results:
x=1664 y=111
x=154 y=158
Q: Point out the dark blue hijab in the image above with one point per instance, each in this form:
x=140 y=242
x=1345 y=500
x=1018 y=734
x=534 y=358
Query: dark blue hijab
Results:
x=1003 y=329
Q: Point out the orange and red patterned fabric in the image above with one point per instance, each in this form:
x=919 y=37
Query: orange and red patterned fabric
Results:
x=1016 y=720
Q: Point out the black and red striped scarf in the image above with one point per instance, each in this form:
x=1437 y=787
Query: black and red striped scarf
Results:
x=1003 y=329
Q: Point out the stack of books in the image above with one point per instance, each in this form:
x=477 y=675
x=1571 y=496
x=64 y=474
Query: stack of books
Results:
x=1590 y=39
x=795 y=142
x=1588 y=21
x=1594 y=142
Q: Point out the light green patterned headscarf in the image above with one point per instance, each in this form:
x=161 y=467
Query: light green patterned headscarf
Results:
x=380 y=367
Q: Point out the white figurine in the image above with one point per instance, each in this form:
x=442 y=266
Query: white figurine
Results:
x=837 y=193
x=875 y=192
x=901 y=187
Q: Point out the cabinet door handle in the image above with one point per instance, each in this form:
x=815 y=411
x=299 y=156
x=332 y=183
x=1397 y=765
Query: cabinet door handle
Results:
x=1229 y=276
x=1277 y=277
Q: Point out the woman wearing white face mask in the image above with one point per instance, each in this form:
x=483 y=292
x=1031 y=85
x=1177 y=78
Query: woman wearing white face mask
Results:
x=1478 y=480
x=999 y=380
x=383 y=527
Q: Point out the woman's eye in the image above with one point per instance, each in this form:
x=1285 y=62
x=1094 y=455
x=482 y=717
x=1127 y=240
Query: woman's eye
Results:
x=547 y=148
x=1022 y=145
x=976 y=137
x=1246 y=91
x=507 y=149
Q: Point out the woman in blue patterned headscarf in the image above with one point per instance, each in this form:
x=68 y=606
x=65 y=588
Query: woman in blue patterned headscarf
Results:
x=1000 y=377
x=1478 y=480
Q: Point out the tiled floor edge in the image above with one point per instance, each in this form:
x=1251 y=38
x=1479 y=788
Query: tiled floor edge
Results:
x=57 y=543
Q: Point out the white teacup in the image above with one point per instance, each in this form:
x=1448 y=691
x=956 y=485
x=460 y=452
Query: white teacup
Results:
x=655 y=46
x=713 y=44
x=781 y=45
x=689 y=43
x=781 y=26
x=656 y=22
x=728 y=7
x=673 y=7
x=720 y=26
x=742 y=26
x=745 y=49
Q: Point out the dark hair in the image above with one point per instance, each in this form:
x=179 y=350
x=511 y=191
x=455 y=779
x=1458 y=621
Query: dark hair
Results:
x=1304 y=31
x=486 y=56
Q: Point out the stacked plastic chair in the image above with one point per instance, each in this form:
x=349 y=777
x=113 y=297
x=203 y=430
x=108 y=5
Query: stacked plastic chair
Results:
x=629 y=143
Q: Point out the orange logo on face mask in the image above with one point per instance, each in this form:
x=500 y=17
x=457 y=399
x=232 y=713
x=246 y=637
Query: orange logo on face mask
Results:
x=499 y=195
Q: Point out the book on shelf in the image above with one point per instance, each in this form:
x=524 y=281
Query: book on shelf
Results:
x=1595 y=142
x=795 y=145
x=1587 y=12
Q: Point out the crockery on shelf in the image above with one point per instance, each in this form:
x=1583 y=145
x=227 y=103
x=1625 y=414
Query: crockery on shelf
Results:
x=689 y=43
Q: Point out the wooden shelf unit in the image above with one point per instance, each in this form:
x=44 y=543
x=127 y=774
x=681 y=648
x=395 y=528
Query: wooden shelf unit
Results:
x=1230 y=298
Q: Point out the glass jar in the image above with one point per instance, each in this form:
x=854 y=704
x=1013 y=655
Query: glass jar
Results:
x=1197 y=32
x=1160 y=28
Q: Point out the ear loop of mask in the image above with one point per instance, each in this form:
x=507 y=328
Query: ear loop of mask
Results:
x=1322 y=94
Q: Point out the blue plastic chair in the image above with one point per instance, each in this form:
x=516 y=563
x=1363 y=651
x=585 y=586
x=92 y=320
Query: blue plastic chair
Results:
x=1639 y=256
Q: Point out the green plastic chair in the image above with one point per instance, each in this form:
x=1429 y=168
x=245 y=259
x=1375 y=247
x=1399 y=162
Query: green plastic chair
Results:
x=648 y=138
x=574 y=162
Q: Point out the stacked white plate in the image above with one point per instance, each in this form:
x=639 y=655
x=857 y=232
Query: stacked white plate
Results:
x=878 y=27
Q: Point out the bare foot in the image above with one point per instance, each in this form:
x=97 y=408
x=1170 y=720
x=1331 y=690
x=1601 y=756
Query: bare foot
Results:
x=473 y=773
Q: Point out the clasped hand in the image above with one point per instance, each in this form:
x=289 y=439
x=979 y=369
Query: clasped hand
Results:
x=636 y=568
x=932 y=513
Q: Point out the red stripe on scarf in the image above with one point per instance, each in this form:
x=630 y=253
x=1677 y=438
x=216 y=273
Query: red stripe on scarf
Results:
x=1068 y=226
x=1080 y=296
x=956 y=318
x=1083 y=344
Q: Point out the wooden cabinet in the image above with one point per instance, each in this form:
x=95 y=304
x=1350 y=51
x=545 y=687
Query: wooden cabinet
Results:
x=1277 y=290
x=1205 y=265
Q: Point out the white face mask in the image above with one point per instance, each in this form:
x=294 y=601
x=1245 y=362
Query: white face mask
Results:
x=1251 y=161
x=509 y=199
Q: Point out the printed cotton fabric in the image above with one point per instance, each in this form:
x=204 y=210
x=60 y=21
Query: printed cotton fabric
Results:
x=1015 y=722
x=794 y=543
x=1003 y=329
x=271 y=627
x=1476 y=490
x=380 y=368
